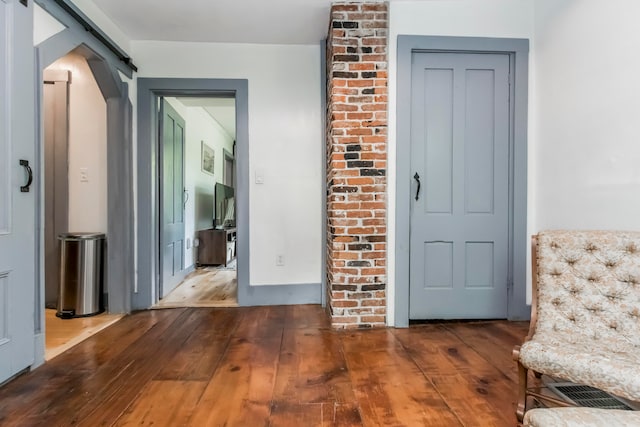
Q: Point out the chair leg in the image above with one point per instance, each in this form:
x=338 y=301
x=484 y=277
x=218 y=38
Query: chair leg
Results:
x=523 y=375
x=521 y=406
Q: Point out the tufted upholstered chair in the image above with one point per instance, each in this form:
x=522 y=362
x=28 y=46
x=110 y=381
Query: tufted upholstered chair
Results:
x=585 y=322
x=580 y=417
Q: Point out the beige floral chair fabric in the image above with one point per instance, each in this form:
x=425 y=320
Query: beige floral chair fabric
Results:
x=586 y=314
x=580 y=417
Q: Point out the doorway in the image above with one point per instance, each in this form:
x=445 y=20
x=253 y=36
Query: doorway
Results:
x=75 y=183
x=197 y=192
x=461 y=202
x=111 y=72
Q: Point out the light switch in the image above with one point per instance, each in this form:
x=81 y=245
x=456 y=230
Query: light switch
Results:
x=84 y=175
x=259 y=177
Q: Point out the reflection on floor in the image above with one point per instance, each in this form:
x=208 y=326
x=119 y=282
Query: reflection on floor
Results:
x=62 y=334
x=205 y=287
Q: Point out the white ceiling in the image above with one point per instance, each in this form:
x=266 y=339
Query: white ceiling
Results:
x=223 y=110
x=221 y=21
x=224 y=21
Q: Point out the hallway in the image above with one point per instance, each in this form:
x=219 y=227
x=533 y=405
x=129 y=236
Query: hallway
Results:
x=204 y=287
x=280 y=366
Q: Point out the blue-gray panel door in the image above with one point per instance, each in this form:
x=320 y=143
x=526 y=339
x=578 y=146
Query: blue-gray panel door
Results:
x=172 y=198
x=18 y=274
x=459 y=240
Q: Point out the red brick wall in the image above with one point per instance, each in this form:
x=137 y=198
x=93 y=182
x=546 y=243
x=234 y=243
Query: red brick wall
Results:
x=357 y=165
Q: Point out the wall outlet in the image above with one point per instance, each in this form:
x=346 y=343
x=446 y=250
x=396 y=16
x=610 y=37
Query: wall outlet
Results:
x=259 y=177
x=84 y=175
x=280 y=260
x=196 y=242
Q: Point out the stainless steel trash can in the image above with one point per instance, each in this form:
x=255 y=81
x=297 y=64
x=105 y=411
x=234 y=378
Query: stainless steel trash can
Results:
x=81 y=274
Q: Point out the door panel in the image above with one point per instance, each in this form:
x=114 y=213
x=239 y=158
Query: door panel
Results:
x=460 y=150
x=17 y=208
x=479 y=265
x=438 y=148
x=438 y=265
x=172 y=242
x=479 y=155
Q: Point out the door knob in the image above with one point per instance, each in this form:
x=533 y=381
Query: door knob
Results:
x=417 y=178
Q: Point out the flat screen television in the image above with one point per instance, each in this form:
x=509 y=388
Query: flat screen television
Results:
x=224 y=207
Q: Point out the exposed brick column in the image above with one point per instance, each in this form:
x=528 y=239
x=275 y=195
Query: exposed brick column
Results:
x=357 y=164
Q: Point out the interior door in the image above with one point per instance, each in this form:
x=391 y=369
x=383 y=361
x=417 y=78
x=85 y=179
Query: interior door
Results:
x=459 y=240
x=172 y=198
x=17 y=208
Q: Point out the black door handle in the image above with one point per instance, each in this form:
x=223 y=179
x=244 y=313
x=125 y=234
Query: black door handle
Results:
x=417 y=178
x=25 y=188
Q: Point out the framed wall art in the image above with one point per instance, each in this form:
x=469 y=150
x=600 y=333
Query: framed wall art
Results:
x=208 y=158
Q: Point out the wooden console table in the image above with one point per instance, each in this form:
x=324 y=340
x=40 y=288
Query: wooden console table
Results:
x=216 y=246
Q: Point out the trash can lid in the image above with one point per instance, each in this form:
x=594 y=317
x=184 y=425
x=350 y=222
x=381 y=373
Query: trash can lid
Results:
x=81 y=236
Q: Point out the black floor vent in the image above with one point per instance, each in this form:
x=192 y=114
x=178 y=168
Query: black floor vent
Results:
x=583 y=395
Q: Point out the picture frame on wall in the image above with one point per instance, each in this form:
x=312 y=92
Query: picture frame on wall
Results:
x=208 y=158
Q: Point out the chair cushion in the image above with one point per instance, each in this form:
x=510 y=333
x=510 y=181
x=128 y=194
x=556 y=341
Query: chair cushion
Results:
x=589 y=284
x=612 y=365
x=580 y=417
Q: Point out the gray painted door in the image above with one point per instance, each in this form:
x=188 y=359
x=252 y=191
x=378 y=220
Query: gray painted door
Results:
x=460 y=152
x=17 y=208
x=172 y=194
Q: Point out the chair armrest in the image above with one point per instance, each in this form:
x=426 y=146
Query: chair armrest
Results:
x=534 y=287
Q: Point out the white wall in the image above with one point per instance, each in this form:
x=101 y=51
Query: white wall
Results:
x=468 y=18
x=285 y=143
x=587 y=147
x=87 y=147
x=93 y=12
x=44 y=25
x=199 y=212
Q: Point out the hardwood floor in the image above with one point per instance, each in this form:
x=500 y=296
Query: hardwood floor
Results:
x=204 y=287
x=275 y=366
x=62 y=334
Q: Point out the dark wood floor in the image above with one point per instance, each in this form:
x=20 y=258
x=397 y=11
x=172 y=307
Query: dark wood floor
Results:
x=277 y=366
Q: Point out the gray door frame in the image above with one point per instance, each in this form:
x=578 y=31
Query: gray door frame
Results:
x=55 y=108
x=518 y=51
x=227 y=156
x=105 y=67
x=149 y=90
x=144 y=294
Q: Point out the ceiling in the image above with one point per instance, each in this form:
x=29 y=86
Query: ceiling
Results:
x=223 y=21
x=223 y=110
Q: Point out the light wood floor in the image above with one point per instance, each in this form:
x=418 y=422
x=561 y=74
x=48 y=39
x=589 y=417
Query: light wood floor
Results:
x=205 y=287
x=272 y=366
x=62 y=334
